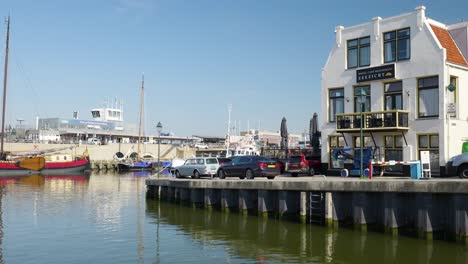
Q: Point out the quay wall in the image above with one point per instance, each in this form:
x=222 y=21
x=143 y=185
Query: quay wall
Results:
x=431 y=209
x=107 y=152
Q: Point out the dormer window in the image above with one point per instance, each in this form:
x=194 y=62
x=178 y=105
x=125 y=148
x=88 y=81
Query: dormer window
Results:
x=358 y=52
x=397 y=45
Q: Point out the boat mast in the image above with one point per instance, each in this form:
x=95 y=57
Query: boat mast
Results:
x=5 y=73
x=229 y=130
x=141 y=113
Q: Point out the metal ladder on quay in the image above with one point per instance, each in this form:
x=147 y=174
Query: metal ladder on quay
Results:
x=316 y=208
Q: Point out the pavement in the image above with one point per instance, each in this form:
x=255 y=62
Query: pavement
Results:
x=288 y=177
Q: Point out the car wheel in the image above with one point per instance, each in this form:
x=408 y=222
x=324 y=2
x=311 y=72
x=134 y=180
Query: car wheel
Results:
x=344 y=173
x=293 y=174
x=177 y=174
x=221 y=174
x=270 y=177
x=463 y=172
x=249 y=174
x=196 y=175
x=311 y=171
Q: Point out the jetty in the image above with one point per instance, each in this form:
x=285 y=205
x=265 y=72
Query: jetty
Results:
x=429 y=209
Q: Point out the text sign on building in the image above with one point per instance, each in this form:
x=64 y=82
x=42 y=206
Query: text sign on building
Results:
x=376 y=73
x=451 y=108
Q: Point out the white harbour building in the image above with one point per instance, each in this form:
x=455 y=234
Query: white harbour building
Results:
x=409 y=74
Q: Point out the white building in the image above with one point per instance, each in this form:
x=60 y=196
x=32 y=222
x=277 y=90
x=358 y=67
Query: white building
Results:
x=414 y=75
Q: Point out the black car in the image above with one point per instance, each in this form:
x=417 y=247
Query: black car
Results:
x=223 y=161
x=249 y=167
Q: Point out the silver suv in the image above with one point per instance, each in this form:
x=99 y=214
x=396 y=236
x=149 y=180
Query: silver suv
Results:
x=197 y=167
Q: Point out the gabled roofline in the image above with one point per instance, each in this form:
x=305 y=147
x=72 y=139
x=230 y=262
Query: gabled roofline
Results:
x=434 y=37
x=458 y=25
x=436 y=23
x=463 y=67
x=383 y=19
x=444 y=27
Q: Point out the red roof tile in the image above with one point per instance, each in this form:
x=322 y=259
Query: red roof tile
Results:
x=453 y=53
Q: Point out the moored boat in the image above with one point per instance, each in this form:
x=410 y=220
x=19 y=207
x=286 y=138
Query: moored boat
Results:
x=62 y=167
x=138 y=163
x=25 y=166
x=135 y=165
x=14 y=164
x=44 y=164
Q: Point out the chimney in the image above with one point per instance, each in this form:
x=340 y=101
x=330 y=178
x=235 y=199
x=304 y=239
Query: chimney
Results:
x=421 y=16
x=338 y=31
x=376 y=27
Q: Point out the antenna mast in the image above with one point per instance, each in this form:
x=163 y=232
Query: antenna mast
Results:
x=5 y=74
x=141 y=113
x=229 y=130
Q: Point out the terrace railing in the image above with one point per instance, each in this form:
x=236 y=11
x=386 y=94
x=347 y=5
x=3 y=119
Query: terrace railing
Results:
x=392 y=120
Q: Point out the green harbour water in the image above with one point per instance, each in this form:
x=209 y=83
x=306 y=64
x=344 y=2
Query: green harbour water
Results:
x=106 y=218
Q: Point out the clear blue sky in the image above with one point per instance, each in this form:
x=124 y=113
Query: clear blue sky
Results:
x=263 y=56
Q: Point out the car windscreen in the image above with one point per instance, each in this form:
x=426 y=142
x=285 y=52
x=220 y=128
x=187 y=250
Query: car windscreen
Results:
x=211 y=161
x=296 y=159
x=263 y=159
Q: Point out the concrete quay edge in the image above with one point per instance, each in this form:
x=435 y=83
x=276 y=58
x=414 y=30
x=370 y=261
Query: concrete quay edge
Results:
x=328 y=184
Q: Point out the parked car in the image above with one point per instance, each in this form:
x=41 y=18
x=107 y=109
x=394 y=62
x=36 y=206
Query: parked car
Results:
x=200 y=146
x=223 y=161
x=458 y=165
x=281 y=162
x=94 y=141
x=198 y=167
x=298 y=164
x=249 y=167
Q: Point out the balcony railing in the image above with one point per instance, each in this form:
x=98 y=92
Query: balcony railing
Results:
x=392 y=120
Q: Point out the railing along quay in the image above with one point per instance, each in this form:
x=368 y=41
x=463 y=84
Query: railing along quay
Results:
x=430 y=209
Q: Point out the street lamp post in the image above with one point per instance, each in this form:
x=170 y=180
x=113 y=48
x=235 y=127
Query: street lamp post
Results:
x=361 y=101
x=361 y=105
x=159 y=128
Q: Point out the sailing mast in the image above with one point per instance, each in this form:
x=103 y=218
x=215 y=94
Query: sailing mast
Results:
x=5 y=74
x=141 y=113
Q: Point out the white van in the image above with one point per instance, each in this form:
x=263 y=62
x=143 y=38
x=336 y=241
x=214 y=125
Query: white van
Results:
x=94 y=141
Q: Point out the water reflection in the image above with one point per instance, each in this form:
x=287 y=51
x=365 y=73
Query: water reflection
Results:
x=40 y=180
x=271 y=240
x=1 y=224
x=102 y=219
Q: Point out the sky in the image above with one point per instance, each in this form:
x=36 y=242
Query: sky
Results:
x=263 y=57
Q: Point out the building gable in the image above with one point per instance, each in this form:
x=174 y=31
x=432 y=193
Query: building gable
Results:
x=454 y=54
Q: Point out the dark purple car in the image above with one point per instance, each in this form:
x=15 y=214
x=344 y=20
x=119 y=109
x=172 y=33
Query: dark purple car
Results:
x=249 y=167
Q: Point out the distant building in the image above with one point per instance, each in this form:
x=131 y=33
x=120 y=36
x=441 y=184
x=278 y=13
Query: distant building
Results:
x=107 y=125
x=273 y=139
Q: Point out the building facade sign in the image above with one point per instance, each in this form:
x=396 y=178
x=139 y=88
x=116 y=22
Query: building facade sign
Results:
x=376 y=73
x=451 y=108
